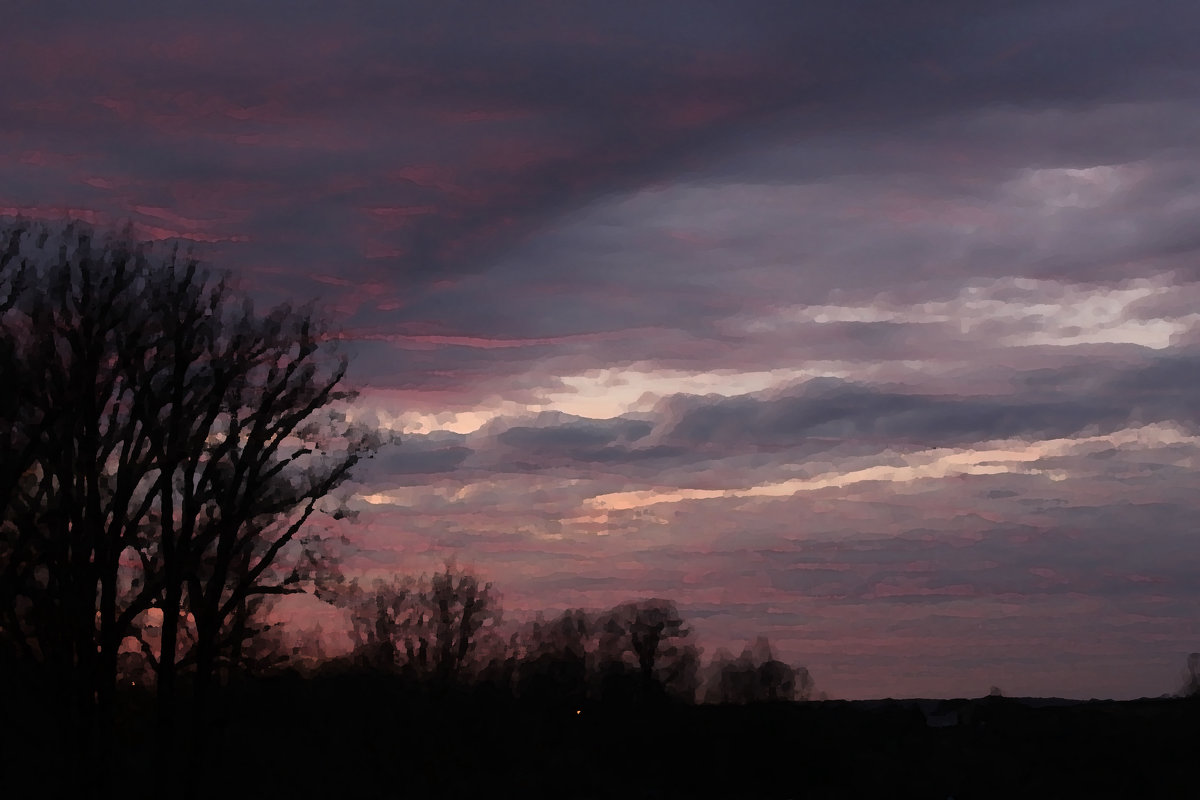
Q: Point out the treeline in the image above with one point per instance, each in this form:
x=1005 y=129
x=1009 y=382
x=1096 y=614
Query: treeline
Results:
x=444 y=633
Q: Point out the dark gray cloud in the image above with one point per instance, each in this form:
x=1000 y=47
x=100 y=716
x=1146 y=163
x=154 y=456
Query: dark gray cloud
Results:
x=409 y=461
x=833 y=411
x=575 y=435
x=553 y=109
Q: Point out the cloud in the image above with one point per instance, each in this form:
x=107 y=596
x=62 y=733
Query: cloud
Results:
x=406 y=461
x=835 y=411
x=494 y=125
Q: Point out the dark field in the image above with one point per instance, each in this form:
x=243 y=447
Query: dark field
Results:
x=370 y=736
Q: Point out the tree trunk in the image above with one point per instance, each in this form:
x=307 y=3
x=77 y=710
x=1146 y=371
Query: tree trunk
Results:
x=106 y=677
x=167 y=693
x=200 y=743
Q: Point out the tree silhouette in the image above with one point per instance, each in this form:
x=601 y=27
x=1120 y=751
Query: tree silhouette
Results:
x=383 y=618
x=79 y=473
x=647 y=636
x=756 y=677
x=461 y=607
x=1191 y=681
x=429 y=628
x=161 y=447
x=554 y=668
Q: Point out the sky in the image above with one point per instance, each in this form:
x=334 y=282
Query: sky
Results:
x=870 y=327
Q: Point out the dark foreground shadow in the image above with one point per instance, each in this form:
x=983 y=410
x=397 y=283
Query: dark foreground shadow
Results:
x=373 y=735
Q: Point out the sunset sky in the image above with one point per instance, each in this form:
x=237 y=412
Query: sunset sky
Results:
x=872 y=327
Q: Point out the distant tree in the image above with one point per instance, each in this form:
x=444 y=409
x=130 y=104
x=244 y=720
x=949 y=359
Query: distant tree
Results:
x=428 y=629
x=648 y=637
x=756 y=677
x=554 y=665
x=461 y=608
x=382 y=617
x=161 y=445
x=1191 y=680
x=679 y=672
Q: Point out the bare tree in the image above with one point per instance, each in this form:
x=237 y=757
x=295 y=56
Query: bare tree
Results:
x=256 y=457
x=163 y=447
x=429 y=628
x=78 y=473
x=553 y=667
x=388 y=618
x=755 y=677
x=461 y=608
x=650 y=636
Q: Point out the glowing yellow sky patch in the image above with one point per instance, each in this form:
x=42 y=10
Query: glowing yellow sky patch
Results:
x=606 y=393
x=938 y=469
x=414 y=422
